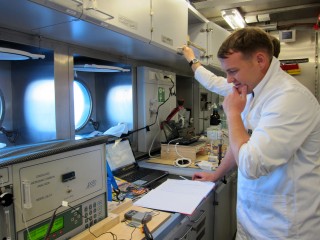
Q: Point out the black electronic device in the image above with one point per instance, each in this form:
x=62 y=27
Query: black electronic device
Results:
x=138 y=217
x=128 y=215
x=173 y=136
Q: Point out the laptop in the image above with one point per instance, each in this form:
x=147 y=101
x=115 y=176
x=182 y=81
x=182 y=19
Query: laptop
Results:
x=124 y=166
x=173 y=136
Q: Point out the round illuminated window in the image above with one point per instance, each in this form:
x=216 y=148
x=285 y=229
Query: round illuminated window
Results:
x=82 y=104
x=1 y=108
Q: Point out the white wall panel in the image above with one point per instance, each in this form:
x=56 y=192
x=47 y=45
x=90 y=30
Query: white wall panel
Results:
x=150 y=81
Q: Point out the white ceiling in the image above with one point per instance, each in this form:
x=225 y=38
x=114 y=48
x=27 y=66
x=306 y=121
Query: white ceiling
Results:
x=285 y=14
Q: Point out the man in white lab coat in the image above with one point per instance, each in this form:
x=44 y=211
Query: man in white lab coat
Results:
x=274 y=139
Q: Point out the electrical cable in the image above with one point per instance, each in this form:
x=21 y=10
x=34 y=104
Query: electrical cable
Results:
x=128 y=224
x=114 y=236
x=175 y=146
x=154 y=138
x=51 y=222
x=143 y=220
x=23 y=219
x=182 y=161
x=170 y=142
x=147 y=232
x=170 y=94
x=157 y=113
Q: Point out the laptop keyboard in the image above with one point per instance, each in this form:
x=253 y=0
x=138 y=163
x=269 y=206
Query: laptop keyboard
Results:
x=133 y=176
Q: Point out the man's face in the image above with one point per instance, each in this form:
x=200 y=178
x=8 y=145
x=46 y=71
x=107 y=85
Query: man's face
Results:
x=242 y=71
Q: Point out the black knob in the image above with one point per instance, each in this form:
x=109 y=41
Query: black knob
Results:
x=6 y=199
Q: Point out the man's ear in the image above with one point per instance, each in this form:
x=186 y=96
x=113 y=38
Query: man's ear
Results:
x=262 y=60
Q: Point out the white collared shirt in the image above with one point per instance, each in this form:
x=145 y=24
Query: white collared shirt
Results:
x=279 y=167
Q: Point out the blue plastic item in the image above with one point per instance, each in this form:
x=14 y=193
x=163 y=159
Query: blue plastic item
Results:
x=111 y=184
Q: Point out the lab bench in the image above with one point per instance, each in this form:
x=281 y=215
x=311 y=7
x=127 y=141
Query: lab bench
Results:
x=214 y=218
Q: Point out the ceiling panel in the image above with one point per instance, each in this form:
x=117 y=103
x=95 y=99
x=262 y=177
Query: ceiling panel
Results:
x=280 y=11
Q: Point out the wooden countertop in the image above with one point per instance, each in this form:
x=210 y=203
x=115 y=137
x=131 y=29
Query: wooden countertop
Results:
x=114 y=224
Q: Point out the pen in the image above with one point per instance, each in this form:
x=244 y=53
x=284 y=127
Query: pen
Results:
x=183 y=178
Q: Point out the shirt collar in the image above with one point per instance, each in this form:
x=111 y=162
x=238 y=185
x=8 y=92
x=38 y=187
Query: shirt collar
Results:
x=274 y=66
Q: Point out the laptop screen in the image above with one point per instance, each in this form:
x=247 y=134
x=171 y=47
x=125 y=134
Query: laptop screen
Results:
x=119 y=154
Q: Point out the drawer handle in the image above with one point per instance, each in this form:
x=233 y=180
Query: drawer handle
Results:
x=99 y=11
x=78 y=2
x=198 y=219
x=186 y=233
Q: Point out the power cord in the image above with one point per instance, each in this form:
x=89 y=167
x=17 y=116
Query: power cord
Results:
x=182 y=161
x=168 y=144
x=138 y=218
x=66 y=204
x=170 y=94
x=157 y=112
x=17 y=206
x=154 y=138
x=51 y=222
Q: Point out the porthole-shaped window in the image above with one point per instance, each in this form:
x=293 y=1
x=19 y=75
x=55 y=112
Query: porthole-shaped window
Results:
x=82 y=104
x=1 y=107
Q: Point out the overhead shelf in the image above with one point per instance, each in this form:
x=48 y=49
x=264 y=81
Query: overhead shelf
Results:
x=194 y=16
x=98 y=68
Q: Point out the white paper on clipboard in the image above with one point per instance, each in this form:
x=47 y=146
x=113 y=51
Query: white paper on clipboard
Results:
x=173 y=195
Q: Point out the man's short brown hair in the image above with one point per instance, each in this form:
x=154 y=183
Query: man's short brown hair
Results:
x=276 y=46
x=246 y=40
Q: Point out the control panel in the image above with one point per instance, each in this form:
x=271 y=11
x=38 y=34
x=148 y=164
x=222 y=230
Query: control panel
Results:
x=68 y=223
x=53 y=193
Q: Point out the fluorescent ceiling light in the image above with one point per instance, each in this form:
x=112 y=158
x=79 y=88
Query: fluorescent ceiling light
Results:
x=98 y=68
x=233 y=18
x=14 y=54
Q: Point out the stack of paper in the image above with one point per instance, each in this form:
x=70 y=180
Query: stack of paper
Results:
x=181 y=196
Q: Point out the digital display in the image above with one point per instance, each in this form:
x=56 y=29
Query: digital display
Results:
x=40 y=232
x=286 y=34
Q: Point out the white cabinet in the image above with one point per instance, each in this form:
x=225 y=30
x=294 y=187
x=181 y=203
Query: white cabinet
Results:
x=199 y=41
x=169 y=20
x=207 y=38
x=69 y=7
x=199 y=225
x=163 y=23
x=225 y=223
x=216 y=36
x=128 y=17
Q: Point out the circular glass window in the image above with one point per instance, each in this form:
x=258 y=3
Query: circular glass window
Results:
x=1 y=107
x=82 y=104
